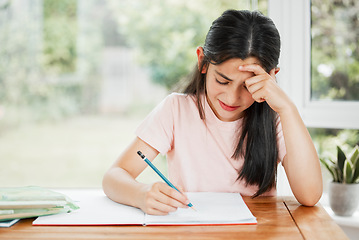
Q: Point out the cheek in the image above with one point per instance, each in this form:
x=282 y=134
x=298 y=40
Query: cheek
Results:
x=247 y=96
x=212 y=88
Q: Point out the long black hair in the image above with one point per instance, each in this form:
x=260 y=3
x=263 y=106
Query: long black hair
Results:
x=243 y=34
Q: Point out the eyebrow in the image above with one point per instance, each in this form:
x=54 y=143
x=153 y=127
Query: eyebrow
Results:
x=224 y=76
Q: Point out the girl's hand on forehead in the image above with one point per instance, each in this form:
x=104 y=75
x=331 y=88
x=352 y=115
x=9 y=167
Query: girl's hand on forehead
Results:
x=263 y=87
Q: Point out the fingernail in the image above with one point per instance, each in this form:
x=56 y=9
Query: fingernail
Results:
x=240 y=67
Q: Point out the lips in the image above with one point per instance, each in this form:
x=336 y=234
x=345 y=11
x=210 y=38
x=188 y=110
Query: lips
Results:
x=226 y=107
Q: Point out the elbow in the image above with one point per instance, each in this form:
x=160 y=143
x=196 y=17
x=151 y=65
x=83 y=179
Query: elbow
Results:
x=309 y=202
x=106 y=183
x=311 y=198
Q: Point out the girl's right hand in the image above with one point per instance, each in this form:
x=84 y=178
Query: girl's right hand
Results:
x=161 y=199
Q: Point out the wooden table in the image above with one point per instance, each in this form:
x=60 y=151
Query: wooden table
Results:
x=278 y=218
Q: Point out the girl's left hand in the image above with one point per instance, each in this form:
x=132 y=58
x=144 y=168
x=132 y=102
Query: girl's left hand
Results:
x=264 y=87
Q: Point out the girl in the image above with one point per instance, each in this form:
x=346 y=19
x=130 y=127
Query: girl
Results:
x=228 y=130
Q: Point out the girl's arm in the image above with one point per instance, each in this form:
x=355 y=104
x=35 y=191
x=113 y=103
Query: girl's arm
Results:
x=120 y=185
x=301 y=162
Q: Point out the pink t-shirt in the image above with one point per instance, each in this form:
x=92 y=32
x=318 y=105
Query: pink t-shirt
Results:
x=199 y=153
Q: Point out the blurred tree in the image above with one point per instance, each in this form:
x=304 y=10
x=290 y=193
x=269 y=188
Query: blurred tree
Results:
x=38 y=45
x=335 y=49
x=326 y=140
x=165 y=33
x=59 y=40
x=50 y=49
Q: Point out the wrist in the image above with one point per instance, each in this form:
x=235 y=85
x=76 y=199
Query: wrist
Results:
x=140 y=195
x=288 y=109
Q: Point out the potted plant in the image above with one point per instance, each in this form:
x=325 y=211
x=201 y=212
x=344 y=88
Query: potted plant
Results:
x=344 y=189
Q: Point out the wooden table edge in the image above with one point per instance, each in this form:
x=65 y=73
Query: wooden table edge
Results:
x=306 y=220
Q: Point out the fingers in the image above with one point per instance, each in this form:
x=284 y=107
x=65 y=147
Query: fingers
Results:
x=258 y=70
x=260 y=84
x=183 y=192
x=255 y=68
x=259 y=87
x=162 y=199
x=172 y=197
x=263 y=87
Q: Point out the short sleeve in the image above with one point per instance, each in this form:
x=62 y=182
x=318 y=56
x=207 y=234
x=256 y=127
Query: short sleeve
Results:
x=282 y=151
x=157 y=128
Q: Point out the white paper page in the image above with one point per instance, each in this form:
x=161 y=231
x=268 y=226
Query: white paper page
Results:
x=212 y=208
x=8 y=223
x=95 y=209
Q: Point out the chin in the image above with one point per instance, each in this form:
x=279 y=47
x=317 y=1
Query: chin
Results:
x=227 y=118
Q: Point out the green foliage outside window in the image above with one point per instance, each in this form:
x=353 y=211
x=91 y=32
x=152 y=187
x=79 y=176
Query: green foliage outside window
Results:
x=165 y=33
x=335 y=49
x=54 y=73
x=50 y=70
x=335 y=65
x=38 y=46
x=50 y=57
x=60 y=30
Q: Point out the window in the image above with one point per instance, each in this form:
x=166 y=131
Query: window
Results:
x=78 y=76
x=319 y=68
x=299 y=62
x=335 y=67
x=335 y=50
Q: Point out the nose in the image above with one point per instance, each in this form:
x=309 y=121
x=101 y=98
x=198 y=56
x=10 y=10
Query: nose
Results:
x=233 y=95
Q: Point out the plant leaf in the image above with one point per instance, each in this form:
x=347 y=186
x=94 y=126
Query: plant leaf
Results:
x=355 y=155
x=338 y=175
x=340 y=159
x=331 y=167
x=348 y=172
x=331 y=160
x=356 y=167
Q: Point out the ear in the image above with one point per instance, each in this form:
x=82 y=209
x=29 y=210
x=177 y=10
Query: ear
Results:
x=276 y=70
x=200 y=57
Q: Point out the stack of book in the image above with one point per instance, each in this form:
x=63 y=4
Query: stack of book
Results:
x=25 y=202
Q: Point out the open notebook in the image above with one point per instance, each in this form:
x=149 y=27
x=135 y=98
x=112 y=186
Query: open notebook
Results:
x=97 y=209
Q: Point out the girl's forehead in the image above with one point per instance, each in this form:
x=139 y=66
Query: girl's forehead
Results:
x=229 y=69
x=236 y=62
x=231 y=65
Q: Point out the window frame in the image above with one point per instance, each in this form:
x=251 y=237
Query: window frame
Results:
x=293 y=20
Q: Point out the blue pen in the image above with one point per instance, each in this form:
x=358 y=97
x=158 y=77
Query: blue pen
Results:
x=160 y=174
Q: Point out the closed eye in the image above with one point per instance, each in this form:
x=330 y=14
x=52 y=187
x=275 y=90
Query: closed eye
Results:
x=222 y=83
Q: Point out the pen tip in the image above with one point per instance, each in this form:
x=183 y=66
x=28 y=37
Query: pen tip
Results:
x=193 y=209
